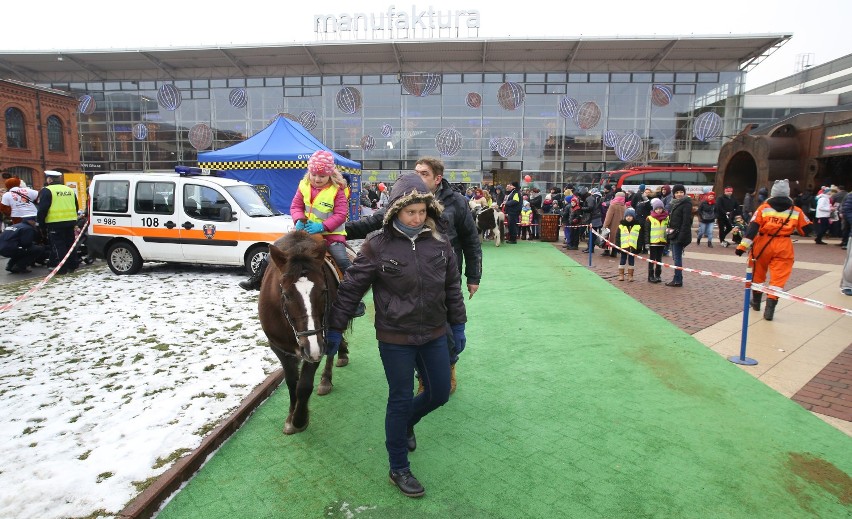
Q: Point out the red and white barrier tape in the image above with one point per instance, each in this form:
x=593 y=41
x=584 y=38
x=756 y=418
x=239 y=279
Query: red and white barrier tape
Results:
x=728 y=277
x=44 y=281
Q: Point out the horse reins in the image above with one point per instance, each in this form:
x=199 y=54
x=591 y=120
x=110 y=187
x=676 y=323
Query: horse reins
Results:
x=309 y=332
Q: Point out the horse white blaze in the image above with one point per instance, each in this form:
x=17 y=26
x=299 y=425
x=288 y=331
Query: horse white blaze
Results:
x=304 y=287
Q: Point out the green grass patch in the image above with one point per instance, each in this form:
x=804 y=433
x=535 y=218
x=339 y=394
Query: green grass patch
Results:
x=104 y=476
x=85 y=455
x=171 y=458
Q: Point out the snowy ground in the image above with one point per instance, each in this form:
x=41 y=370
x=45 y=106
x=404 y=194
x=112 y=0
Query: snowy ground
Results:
x=106 y=380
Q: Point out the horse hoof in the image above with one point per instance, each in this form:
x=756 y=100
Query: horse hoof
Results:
x=341 y=361
x=324 y=388
x=289 y=428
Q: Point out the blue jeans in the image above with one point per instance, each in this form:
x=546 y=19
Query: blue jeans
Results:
x=338 y=252
x=677 y=257
x=706 y=229
x=433 y=363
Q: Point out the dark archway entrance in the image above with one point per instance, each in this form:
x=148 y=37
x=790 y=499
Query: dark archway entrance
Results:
x=835 y=171
x=741 y=174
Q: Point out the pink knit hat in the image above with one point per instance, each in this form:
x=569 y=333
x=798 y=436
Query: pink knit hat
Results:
x=321 y=163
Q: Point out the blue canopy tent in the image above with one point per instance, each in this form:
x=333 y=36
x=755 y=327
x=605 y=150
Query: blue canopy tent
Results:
x=275 y=160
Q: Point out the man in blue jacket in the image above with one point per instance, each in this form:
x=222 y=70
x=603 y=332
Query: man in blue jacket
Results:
x=18 y=243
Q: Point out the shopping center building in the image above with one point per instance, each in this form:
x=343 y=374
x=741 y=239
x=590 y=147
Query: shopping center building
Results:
x=494 y=109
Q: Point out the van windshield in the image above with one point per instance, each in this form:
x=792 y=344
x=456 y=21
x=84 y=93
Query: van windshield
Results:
x=250 y=201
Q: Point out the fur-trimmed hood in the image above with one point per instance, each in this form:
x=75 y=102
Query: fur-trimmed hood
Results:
x=410 y=189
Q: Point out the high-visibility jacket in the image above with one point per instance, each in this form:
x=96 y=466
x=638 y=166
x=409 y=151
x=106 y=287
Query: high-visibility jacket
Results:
x=657 y=230
x=322 y=206
x=526 y=218
x=629 y=236
x=63 y=204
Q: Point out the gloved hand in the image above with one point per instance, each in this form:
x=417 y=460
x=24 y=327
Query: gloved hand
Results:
x=300 y=225
x=458 y=337
x=333 y=339
x=314 y=227
x=739 y=251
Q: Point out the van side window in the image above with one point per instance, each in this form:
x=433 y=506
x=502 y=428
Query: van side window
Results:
x=110 y=196
x=155 y=198
x=205 y=203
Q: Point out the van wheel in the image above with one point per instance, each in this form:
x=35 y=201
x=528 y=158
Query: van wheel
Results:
x=255 y=256
x=123 y=258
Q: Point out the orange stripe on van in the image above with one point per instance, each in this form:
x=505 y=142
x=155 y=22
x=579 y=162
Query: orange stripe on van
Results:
x=155 y=232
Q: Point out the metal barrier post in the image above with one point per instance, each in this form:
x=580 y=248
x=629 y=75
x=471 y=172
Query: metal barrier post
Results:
x=742 y=359
x=591 y=246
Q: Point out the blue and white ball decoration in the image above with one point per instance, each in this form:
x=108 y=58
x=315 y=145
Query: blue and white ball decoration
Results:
x=349 y=100
x=308 y=119
x=368 y=142
x=588 y=115
x=628 y=147
x=140 y=131
x=707 y=126
x=568 y=107
x=421 y=84
x=237 y=98
x=169 y=97
x=610 y=138
x=200 y=136
x=387 y=130
x=448 y=141
x=493 y=144
x=661 y=95
x=507 y=147
x=86 y=104
x=510 y=95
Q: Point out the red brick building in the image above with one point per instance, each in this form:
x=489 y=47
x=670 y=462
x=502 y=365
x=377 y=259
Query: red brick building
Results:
x=38 y=131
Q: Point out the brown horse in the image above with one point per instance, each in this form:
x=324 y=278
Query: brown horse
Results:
x=297 y=292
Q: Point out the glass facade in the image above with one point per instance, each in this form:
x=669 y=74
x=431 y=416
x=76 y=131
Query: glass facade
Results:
x=136 y=125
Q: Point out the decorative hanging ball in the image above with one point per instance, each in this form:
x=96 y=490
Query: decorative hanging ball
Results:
x=507 y=147
x=568 y=107
x=707 y=126
x=527 y=179
x=349 y=100
x=421 y=84
x=473 y=100
x=200 y=136
x=368 y=142
x=237 y=98
x=628 y=147
x=493 y=143
x=169 y=97
x=610 y=138
x=588 y=115
x=448 y=141
x=387 y=130
x=510 y=95
x=661 y=95
x=86 y=104
x=140 y=131
x=308 y=119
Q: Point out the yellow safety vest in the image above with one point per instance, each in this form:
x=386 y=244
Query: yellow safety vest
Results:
x=657 y=230
x=526 y=217
x=322 y=206
x=629 y=237
x=63 y=205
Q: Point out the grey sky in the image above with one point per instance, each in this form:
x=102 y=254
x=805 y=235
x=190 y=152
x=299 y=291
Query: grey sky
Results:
x=99 y=24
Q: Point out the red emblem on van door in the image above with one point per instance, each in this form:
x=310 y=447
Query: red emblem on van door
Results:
x=209 y=230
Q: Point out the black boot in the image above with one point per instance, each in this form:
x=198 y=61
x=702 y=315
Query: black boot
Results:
x=651 y=278
x=253 y=283
x=407 y=483
x=658 y=271
x=412 y=439
x=769 y=312
x=756 y=298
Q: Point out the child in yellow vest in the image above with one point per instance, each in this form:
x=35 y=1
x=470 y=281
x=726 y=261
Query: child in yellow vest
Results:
x=654 y=234
x=630 y=240
x=526 y=221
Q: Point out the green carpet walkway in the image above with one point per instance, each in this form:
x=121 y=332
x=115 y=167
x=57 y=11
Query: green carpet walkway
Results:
x=574 y=401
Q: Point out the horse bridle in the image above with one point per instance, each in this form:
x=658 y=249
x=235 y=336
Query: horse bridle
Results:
x=309 y=332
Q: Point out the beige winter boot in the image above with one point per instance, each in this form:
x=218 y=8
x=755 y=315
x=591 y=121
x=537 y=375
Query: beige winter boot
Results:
x=452 y=378
x=621 y=273
x=630 y=274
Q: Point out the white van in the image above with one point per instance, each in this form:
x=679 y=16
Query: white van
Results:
x=181 y=218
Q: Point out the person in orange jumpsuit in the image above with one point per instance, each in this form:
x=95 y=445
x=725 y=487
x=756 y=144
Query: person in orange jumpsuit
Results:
x=767 y=237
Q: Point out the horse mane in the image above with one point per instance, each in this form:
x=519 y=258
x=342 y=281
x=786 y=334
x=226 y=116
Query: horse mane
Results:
x=299 y=251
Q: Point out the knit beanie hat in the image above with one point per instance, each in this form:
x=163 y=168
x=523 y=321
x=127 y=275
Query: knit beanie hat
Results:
x=630 y=212
x=656 y=203
x=321 y=163
x=780 y=188
x=678 y=187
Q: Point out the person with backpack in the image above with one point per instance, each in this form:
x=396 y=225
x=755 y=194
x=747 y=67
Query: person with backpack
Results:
x=707 y=214
x=18 y=243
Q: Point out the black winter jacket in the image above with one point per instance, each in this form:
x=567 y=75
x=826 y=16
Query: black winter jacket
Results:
x=680 y=219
